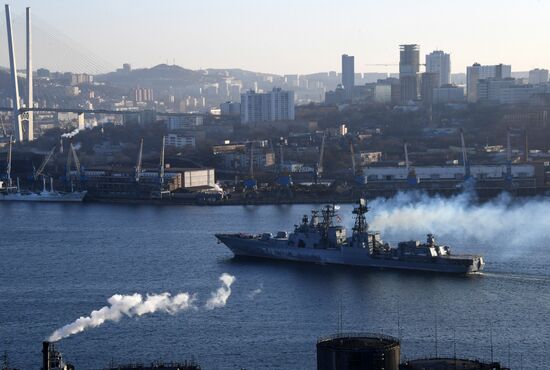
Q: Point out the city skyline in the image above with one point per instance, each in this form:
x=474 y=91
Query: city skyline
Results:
x=319 y=35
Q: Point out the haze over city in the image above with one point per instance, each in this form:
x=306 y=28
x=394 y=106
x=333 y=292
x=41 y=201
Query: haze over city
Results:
x=290 y=36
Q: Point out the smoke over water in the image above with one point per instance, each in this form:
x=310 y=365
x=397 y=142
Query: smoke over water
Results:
x=506 y=225
x=136 y=305
x=219 y=297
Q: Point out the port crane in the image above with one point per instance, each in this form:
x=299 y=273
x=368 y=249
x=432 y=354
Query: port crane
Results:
x=139 y=160
x=250 y=183
x=352 y=154
x=73 y=157
x=356 y=170
x=8 y=165
x=465 y=161
x=44 y=163
x=412 y=178
x=161 y=172
x=319 y=166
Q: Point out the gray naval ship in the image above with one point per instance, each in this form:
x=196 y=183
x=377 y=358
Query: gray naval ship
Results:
x=318 y=239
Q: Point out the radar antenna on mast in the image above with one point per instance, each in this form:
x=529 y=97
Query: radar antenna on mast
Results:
x=361 y=226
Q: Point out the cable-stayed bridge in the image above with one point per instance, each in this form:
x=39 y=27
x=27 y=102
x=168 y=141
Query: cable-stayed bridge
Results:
x=22 y=116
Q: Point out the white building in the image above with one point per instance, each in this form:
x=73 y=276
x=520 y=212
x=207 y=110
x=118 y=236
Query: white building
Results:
x=178 y=141
x=490 y=89
x=448 y=172
x=276 y=105
x=538 y=76
x=439 y=62
x=521 y=93
x=183 y=122
x=230 y=108
x=478 y=72
x=448 y=94
x=198 y=177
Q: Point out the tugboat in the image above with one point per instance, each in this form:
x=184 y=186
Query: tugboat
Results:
x=317 y=239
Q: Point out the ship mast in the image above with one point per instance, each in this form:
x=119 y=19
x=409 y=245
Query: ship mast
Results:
x=328 y=213
x=360 y=229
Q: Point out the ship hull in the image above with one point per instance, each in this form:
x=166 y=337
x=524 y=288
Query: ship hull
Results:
x=279 y=249
x=73 y=197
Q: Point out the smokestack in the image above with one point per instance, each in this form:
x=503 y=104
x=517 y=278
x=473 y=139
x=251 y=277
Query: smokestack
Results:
x=46 y=355
x=30 y=119
x=15 y=87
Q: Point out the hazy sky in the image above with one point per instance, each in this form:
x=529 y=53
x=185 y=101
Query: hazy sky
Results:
x=282 y=36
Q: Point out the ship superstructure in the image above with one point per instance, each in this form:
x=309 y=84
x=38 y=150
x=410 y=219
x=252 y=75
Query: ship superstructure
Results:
x=318 y=239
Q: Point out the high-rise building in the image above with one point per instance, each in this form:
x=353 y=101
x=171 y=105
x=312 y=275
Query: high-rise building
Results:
x=348 y=74
x=276 y=105
x=478 y=72
x=439 y=62
x=428 y=82
x=538 y=76
x=409 y=66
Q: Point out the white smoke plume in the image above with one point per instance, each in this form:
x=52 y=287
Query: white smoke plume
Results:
x=219 y=297
x=70 y=134
x=505 y=224
x=255 y=292
x=136 y=305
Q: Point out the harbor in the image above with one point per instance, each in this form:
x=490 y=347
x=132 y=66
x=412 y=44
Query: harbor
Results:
x=87 y=254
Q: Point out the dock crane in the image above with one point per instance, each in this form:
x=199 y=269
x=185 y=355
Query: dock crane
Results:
x=3 y=127
x=283 y=179
x=509 y=157
x=319 y=166
x=138 y=163
x=161 y=172
x=250 y=183
x=8 y=165
x=356 y=171
x=44 y=163
x=412 y=178
x=73 y=157
x=465 y=161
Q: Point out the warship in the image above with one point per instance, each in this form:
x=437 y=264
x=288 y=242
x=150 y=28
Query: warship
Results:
x=317 y=239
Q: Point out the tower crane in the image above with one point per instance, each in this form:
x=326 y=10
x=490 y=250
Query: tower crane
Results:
x=72 y=157
x=465 y=161
x=8 y=166
x=44 y=163
x=138 y=163
x=319 y=166
x=161 y=172
x=412 y=178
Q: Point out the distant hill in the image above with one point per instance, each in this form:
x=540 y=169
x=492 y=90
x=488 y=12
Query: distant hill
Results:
x=161 y=74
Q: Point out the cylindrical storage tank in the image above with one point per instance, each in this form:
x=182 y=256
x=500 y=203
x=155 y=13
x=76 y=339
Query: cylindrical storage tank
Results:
x=358 y=352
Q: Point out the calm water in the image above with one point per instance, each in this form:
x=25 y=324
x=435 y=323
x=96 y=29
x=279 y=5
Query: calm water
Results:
x=59 y=262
